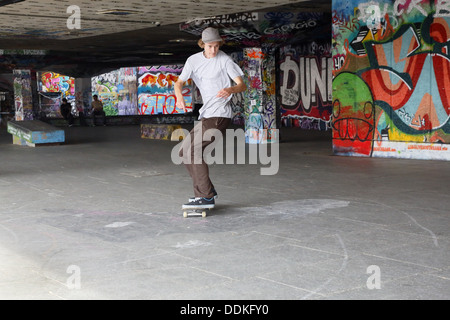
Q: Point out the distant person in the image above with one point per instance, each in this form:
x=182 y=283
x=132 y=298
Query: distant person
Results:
x=66 y=111
x=97 y=110
x=81 y=115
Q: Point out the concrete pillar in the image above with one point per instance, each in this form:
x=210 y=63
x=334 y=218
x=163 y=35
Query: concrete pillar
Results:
x=23 y=94
x=260 y=99
x=83 y=94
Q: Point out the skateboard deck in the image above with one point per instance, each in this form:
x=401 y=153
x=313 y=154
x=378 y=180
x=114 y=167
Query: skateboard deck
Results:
x=195 y=212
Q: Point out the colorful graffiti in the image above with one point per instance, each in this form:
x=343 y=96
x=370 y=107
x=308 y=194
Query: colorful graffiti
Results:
x=55 y=82
x=260 y=102
x=391 y=73
x=127 y=91
x=259 y=35
x=305 y=85
x=156 y=90
x=118 y=91
x=23 y=98
x=238 y=99
x=52 y=88
x=105 y=86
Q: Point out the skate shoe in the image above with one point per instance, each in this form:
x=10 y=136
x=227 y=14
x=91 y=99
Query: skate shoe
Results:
x=214 y=192
x=203 y=203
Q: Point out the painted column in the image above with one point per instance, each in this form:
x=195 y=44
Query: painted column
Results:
x=23 y=94
x=260 y=111
x=127 y=92
x=83 y=94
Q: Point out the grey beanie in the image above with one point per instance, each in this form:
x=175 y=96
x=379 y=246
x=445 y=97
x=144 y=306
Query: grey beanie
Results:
x=210 y=35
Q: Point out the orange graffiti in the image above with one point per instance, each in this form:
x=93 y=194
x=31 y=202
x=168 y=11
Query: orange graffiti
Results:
x=163 y=80
x=255 y=54
x=149 y=79
x=171 y=78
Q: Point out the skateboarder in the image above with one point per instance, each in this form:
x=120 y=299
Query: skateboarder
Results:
x=212 y=71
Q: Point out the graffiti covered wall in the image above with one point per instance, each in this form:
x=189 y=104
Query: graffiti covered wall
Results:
x=305 y=85
x=156 y=93
x=260 y=35
x=55 y=82
x=52 y=88
x=118 y=91
x=105 y=86
x=391 y=78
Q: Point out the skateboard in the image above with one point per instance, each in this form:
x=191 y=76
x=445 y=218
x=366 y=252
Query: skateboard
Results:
x=195 y=212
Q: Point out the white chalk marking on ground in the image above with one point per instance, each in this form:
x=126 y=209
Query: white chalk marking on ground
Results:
x=119 y=224
x=433 y=236
x=191 y=244
x=343 y=266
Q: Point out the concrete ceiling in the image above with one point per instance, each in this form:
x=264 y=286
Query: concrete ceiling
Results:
x=87 y=37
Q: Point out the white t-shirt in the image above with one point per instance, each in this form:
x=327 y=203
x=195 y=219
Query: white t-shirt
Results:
x=210 y=76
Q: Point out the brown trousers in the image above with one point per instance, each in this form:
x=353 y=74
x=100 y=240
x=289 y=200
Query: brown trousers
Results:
x=191 y=152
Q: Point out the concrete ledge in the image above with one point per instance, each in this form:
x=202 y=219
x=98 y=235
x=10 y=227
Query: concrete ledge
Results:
x=118 y=120
x=158 y=131
x=34 y=133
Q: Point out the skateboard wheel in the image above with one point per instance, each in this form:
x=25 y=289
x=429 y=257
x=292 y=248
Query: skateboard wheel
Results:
x=185 y=214
x=204 y=214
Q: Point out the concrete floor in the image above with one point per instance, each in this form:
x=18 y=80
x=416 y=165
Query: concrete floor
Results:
x=99 y=218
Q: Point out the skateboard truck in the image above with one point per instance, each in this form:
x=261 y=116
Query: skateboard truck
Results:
x=195 y=212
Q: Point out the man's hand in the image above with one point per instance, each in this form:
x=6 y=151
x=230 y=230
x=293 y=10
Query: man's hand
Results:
x=181 y=104
x=223 y=93
x=239 y=87
x=178 y=87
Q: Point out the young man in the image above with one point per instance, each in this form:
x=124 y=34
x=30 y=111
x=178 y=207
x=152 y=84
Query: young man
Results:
x=66 y=111
x=211 y=70
x=97 y=110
